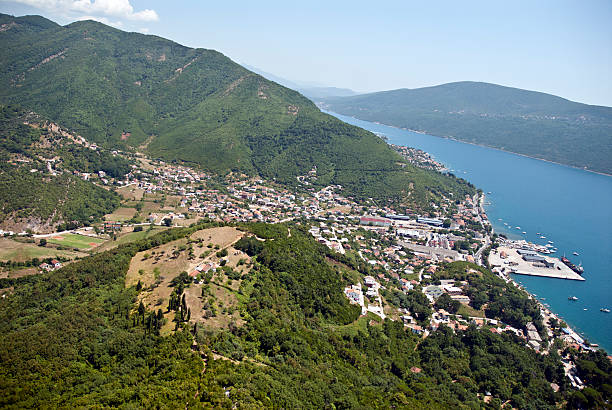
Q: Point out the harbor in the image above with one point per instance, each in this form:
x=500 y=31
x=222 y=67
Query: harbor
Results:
x=520 y=262
x=571 y=222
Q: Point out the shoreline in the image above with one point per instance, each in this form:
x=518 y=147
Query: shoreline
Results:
x=480 y=145
x=547 y=310
x=572 y=327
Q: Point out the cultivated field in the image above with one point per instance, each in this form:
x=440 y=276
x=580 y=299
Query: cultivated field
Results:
x=121 y=214
x=131 y=193
x=130 y=237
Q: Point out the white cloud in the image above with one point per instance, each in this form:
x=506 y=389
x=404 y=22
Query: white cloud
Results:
x=98 y=9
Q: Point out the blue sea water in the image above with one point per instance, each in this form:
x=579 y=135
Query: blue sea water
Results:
x=571 y=207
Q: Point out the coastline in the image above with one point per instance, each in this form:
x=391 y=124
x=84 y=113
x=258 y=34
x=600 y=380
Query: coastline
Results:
x=546 y=311
x=478 y=145
x=586 y=327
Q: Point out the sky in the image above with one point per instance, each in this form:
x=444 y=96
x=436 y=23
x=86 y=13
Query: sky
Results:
x=561 y=47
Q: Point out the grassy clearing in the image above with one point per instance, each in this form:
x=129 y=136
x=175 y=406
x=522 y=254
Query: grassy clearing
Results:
x=155 y=269
x=75 y=241
x=360 y=325
x=121 y=214
x=21 y=252
x=131 y=193
x=470 y=311
x=18 y=273
x=130 y=237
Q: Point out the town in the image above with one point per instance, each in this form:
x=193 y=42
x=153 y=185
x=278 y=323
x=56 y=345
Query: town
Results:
x=406 y=253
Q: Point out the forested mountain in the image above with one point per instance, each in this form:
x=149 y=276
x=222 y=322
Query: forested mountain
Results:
x=194 y=105
x=526 y=122
x=75 y=338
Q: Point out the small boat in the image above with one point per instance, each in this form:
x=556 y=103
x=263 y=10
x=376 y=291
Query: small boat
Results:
x=551 y=242
x=524 y=232
x=585 y=309
x=605 y=310
x=489 y=192
x=576 y=254
x=572 y=298
x=542 y=237
x=518 y=227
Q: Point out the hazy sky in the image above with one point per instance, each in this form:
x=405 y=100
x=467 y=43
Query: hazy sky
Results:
x=560 y=47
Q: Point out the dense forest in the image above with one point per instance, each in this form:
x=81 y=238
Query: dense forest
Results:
x=76 y=337
x=526 y=122
x=127 y=90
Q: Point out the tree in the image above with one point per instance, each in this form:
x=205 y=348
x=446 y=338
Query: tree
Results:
x=447 y=303
x=168 y=222
x=43 y=242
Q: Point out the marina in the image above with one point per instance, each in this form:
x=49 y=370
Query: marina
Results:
x=567 y=219
x=510 y=260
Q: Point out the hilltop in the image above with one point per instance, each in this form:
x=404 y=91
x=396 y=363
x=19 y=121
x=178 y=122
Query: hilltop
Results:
x=525 y=122
x=196 y=106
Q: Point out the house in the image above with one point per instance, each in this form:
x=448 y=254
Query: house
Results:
x=374 y=221
x=432 y=292
x=56 y=264
x=416 y=329
x=461 y=298
x=110 y=226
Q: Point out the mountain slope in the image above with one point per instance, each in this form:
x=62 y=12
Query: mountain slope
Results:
x=521 y=121
x=37 y=187
x=75 y=338
x=194 y=105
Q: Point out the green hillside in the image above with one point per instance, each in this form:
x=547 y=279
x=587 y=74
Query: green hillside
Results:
x=526 y=122
x=33 y=197
x=194 y=105
x=76 y=338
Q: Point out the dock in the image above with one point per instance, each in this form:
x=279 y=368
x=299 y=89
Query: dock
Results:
x=514 y=263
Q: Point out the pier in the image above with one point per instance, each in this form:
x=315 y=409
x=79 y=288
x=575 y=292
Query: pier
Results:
x=510 y=261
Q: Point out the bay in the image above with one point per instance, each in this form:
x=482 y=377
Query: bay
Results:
x=569 y=206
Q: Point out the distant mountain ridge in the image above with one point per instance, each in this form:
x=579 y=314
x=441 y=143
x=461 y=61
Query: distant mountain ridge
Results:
x=521 y=121
x=314 y=92
x=129 y=90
